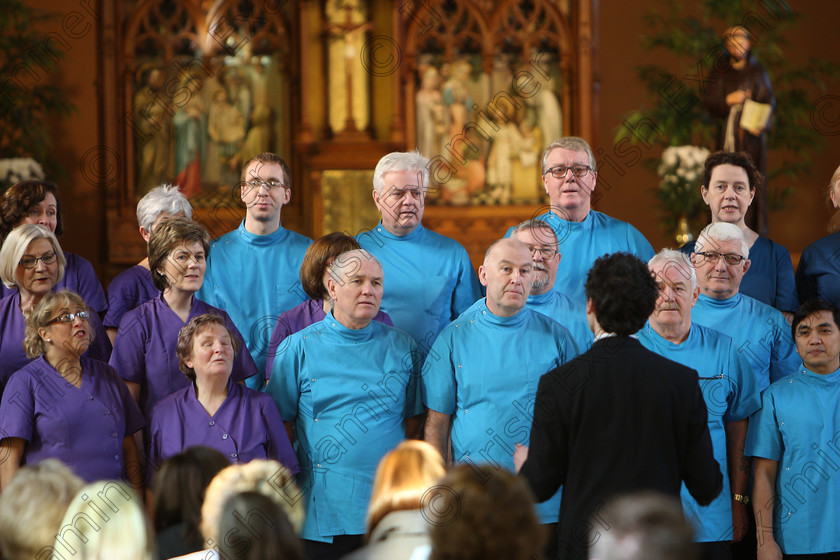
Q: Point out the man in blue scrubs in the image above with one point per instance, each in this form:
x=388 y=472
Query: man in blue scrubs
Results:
x=542 y=242
x=795 y=443
x=569 y=177
x=729 y=389
x=430 y=277
x=480 y=386
x=760 y=332
x=347 y=383
x=253 y=272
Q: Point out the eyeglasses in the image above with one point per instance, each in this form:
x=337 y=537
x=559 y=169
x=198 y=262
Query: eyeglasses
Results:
x=269 y=185
x=729 y=258
x=69 y=317
x=546 y=253
x=559 y=171
x=30 y=262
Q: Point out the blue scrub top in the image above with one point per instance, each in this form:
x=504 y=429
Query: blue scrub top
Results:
x=731 y=394
x=483 y=370
x=348 y=392
x=799 y=426
x=581 y=243
x=770 y=278
x=818 y=273
x=255 y=278
x=759 y=331
x=428 y=280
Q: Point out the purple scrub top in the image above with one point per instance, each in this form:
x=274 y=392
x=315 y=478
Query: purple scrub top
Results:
x=13 y=328
x=79 y=277
x=82 y=427
x=298 y=318
x=145 y=350
x=130 y=289
x=246 y=426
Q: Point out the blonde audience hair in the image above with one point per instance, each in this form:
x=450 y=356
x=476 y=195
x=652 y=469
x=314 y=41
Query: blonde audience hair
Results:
x=269 y=478
x=403 y=477
x=105 y=521
x=32 y=506
x=15 y=246
x=43 y=313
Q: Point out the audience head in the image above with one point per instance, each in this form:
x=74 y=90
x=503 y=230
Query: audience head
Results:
x=737 y=41
x=816 y=332
x=106 y=519
x=621 y=293
x=211 y=329
x=252 y=526
x=265 y=188
x=403 y=477
x=269 y=478
x=541 y=240
x=642 y=526
x=31 y=202
x=179 y=488
x=355 y=288
x=319 y=256
x=833 y=192
x=507 y=273
x=720 y=258
x=32 y=506
x=178 y=250
x=729 y=183
x=678 y=291
x=161 y=203
x=44 y=328
x=569 y=174
x=400 y=180
x=19 y=267
x=482 y=512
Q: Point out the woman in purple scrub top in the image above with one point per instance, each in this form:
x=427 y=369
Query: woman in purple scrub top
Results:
x=213 y=410
x=31 y=265
x=64 y=405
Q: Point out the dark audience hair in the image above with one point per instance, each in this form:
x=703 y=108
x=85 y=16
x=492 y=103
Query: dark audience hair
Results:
x=179 y=489
x=622 y=291
x=187 y=334
x=20 y=198
x=318 y=257
x=265 y=158
x=814 y=306
x=253 y=527
x=169 y=235
x=738 y=159
x=480 y=512
x=643 y=525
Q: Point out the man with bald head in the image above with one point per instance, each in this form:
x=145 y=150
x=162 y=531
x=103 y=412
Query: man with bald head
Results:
x=347 y=383
x=480 y=377
x=729 y=389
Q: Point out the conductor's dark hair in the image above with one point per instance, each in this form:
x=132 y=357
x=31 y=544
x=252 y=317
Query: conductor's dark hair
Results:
x=622 y=291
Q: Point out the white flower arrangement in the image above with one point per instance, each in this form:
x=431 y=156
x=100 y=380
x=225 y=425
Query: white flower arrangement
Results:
x=680 y=172
x=15 y=170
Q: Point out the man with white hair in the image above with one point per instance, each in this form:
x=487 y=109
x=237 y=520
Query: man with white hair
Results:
x=760 y=332
x=569 y=177
x=431 y=277
x=479 y=391
x=729 y=390
x=347 y=384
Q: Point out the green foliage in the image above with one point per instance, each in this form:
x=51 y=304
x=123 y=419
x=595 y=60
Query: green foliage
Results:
x=694 y=41
x=27 y=101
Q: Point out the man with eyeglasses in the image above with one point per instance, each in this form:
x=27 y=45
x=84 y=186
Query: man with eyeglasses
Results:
x=430 y=277
x=760 y=332
x=253 y=272
x=569 y=177
x=729 y=390
x=475 y=387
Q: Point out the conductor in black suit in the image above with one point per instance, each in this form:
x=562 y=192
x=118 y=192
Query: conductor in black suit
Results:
x=618 y=418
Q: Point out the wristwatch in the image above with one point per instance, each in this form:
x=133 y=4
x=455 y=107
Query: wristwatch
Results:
x=741 y=498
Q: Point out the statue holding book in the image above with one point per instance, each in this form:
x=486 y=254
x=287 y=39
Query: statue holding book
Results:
x=741 y=96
